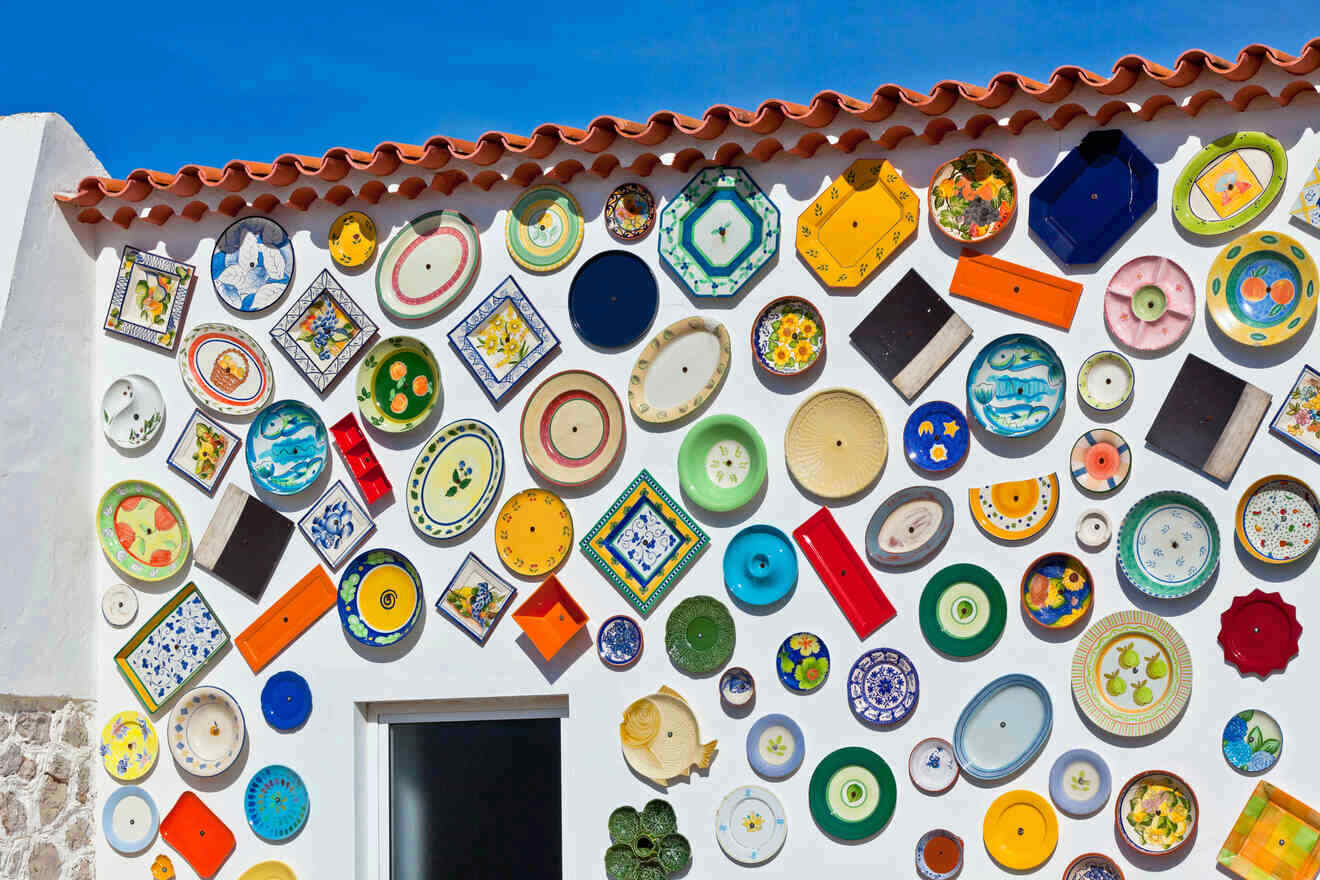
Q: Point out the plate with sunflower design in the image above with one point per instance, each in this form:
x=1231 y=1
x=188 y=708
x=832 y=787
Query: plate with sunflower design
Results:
x=1262 y=288
x=1057 y=590
x=788 y=336
x=803 y=662
x=398 y=384
x=751 y=825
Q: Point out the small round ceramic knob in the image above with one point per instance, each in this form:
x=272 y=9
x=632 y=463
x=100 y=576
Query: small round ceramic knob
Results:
x=1093 y=529
x=737 y=688
x=119 y=605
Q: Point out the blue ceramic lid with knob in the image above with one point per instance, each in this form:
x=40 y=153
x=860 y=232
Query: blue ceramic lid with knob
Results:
x=286 y=700
x=936 y=437
x=1079 y=782
x=775 y=746
x=760 y=565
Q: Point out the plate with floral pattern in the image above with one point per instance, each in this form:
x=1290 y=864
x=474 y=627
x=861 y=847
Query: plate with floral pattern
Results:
x=252 y=264
x=129 y=746
x=751 y=825
x=533 y=532
x=544 y=228
x=1252 y=741
x=429 y=264
x=142 y=530
x=630 y=212
x=1131 y=673
x=455 y=478
x=883 y=687
x=1278 y=519
x=1168 y=545
x=775 y=746
x=972 y=197
x=1298 y=418
x=932 y=765
x=398 y=384
x=380 y=597
x=803 y=662
x=788 y=336
x=1057 y=590
x=207 y=731
x=352 y=239
x=619 y=641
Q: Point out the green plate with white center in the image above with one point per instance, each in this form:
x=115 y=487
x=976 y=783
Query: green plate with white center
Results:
x=722 y=463
x=1168 y=545
x=544 y=228
x=699 y=635
x=852 y=793
x=963 y=610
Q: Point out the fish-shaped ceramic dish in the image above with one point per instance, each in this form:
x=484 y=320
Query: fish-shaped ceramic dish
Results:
x=660 y=738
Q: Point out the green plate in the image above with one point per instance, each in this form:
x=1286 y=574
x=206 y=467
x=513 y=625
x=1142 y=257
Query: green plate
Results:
x=1230 y=182
x=1168 y=545
x=699 y=635
x=398 y=384
x=722 y=463
x=963 y=610
x=852 y=793
x=142 y=530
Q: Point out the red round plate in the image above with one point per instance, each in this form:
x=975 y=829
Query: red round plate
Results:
x=1259 y=633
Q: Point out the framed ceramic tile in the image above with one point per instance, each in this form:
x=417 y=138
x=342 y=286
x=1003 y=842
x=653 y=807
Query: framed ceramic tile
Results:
x=203 y=451
x=476 y=598
x=323 y=331
x=172 y=648
x=336 y=524
x=502 y=339
x=150 y=297
x=1298 y=418
x=644 y=542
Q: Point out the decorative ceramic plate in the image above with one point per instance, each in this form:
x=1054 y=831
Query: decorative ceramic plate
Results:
x=1105 y=381
x=119 y=605
x=398 y=384
x=630 y=212
x=1020 y=830
x=129 y=819
x=276 y=803
x=1016 y=510
x=613 y=299
x=1057 y=590
x=352 y=239
x=646 y=844
x=1150 y=304
x=1278 y=519
x=287 y=447
x=883 y=687
x=760 y=565
x=1156 y=813
x=572 y=428
x=1252 y=741
x=1259 y=633
x=1079 y=782
x=197 y=834
x=129 y=746
x=225 y=369
x=852 y=793
x=207 y=731
x=936 y=437
x=836 y=443
x=252 y=264
x=430 y=263
x=932 y=765
x=750 y=825
x=661 y=758
x=132 y=411
x=150 y=296
x=269 y=870
x=788 y=336
x=1131 y=673
x=939 y=855
x=476 y=598
x=1262 y=288
x=775 y=746
x=1003 y=727
x=1297 y=420
x=1093 y=866
x=718 y=232
x=619 y=641
x=1093 y=529
x=286 y=700
x=973 y=197
x=142 y=530
x=1274 y=834
x=544 y=228
x=503 y=339
x=857 y=223
x=699 y=635
x=721 y=462
x=533 y=532
x=737 y=687
x=171 y=648
x=380 y=597
x=1015 y=385
x=323 y=331
x=909 y=526
x=1229 y=182
x=1100 y=461
x=803 y=662
x=455 y=478
x=1168 y=545
x=963 y=610
x=679 y=370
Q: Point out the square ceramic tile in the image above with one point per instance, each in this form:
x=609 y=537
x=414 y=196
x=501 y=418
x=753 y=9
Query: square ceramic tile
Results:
x=172 y=648
x=1298 y=418
x=644 y=542
x=476 y=598
x=336 y=525
x=502 y=339
x=323 y=331
x=1306 y=207
x=150 y=297
x=204 y=450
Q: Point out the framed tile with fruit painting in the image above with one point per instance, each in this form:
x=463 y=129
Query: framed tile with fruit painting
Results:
x=323 y=331
x=150 y=298
x=1298 y=418
x=203 y=451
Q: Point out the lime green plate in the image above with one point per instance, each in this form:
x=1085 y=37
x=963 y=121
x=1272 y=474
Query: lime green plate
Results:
x=722 y=463
x=963 y=610
x=699 y=635
x=852 y=793
x=1230 y=182
x=142 y=530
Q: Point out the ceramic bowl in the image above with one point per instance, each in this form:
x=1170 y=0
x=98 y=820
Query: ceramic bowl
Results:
x=722 y=462
x=1093 y=529
x=1057 y=590
x=1278 y=519
x=788 y=336
x=1100 y=461
x=972 y=197
x=909 y=526
x=939 y=855
x=737 y=687
x=932 y=765
x=1151 y=794
x=132 y=411
x=1105 y=381
x=619 y=641
x=206 y=732
x=1093 y=866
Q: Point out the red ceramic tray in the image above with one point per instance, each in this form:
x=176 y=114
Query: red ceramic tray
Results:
x=355 y=449
x=844 y=574
x=1259 y=633
x=197 y=834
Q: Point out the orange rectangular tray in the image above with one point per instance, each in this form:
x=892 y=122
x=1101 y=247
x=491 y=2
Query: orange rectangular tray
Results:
x=197 y=834
x=1013 y=288
x=287 y=619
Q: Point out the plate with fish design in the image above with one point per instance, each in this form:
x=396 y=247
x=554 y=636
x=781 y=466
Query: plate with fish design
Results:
x=1016 y=385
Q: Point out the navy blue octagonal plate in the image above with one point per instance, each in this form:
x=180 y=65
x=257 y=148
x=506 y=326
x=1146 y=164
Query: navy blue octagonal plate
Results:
x=935 y=437
x=613 y=299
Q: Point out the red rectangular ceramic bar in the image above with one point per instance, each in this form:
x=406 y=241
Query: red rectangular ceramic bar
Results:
x=355 y=449
x=1015 y=288
x=844 y=574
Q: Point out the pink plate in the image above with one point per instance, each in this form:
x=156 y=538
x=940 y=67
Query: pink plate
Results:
x=1149 y=304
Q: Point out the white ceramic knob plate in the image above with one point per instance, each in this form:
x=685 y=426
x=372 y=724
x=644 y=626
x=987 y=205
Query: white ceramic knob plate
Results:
x=119 y=605
x=1093 y=529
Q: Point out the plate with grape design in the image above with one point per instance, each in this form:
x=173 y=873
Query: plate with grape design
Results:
x=1132 y=674
x=1262 y=288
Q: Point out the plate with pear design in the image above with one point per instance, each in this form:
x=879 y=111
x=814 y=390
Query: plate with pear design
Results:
x=1132 y=674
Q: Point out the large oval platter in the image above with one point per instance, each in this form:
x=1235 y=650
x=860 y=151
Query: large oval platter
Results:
x=679 y=370
x=1131 y=673
x=1003 y=727
x=1229 y=182
x=142 y=530
x=225 y=369
x=455 y=478
x=1016 y=385
x=430 y=263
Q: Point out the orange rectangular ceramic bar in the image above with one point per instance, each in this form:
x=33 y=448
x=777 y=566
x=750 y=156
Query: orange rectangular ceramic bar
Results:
x=287 y=619
x=1013 y=288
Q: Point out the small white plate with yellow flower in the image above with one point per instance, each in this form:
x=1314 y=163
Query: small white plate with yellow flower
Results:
x=751 y=826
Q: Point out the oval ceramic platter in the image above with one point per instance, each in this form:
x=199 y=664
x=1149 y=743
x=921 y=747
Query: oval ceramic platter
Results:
x=788 y=336
x=836 y=443
x=1016 y=510
x=129 y=819
x=572 y=428
x=1229 y=182
x=1003 y=727
x=206 y=732
x=883 y=687
x=1168 y=545
x=760 y=565
x=1057 y=591
x=1079 y=782
x=1020 y=830
x=142 y=530
x=630 y=212
x=380 y=597
x=963 y=610
x=544 y=228
x=398 y=384
x=1278 y=519
x=909 y=526
x=660 y=738
x=276 y=803
x=973 y=197
x=699 y=635
x=287 y=447
x=679 y=370
x=1105 y=381
x=1100 y=461
x=1262 y=288
x=722 y=463
x=132 y=411
x=430 y=263
x=352 y=239
x=533 y=532
x=252 y=264
x=852 y=793
x=129 y=746
x=1131 y=673
x=775 y=746
x=751 y=825
x=935 y=437
x=225 y=369
x=1150 y=303
x=455 y=478
x=1157 y=813
x=1015 y=385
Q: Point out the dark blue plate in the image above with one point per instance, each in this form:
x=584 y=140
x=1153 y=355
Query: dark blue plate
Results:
x=613 y=299
x=936 y=437
x=286 y=700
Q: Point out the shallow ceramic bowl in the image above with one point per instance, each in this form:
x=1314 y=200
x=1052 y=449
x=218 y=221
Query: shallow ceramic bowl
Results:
x=1093 y=866
x=207 y=731
x=721 y=462
x=985 y=168
x=941 y=841
x=1126 y=829
x=1074 y=591
x=939 y=775
x=132 y=411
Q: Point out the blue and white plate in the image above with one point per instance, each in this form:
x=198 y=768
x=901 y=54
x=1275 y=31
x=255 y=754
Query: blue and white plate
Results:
x=129 y=819
x=803 y=662
x=1253 y=741
x=775 y=746
x=1016 y=385
x=252 y=264
x=619 y=641
x=760 y=565
x=737 y=687
x=1003 y=727
x=287 y=447
x=883 y=687
x=276 y=803
x=1079 y=782
x=936 y=436
x=286 y=700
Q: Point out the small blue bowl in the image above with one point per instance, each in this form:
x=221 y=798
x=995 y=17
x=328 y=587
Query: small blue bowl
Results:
x=1067 y=797
x=783 y=751
x=619 y=641
x=936 y=437
x=286 y=700
x=803 y=662
x=760 y=565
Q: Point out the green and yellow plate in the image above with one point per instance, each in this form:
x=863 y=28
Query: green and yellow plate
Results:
x=852 y=793
x=398 y=384
x=142 y=530
x=963 y=610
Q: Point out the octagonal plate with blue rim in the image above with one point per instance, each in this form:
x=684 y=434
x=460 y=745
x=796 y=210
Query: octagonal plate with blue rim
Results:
x=719 y=232
x=775 y=746
x=883 y=687
x=760 y=565
x=936 y=437
x=287 y=447
x=1015 y=385
x=1079 y=782
x=276 y=803
x=286 y=700
x=803 y=662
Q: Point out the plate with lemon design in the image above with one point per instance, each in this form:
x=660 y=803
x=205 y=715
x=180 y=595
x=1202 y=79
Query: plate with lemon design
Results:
x=1262 y=288
x=1132 y=674
x=1156 y=813
x=398 y=384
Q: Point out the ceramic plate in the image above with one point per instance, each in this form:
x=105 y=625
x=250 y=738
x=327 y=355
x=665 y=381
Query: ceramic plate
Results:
x=1297 y=420
x=1273 y=832
x=909 y=526
x=1100 y=461
x=1015 y=385
x=132 y=411
x=206 y=732
x=533 y=532
x=963 y=610
x=973 y=197
x=204 y=451
x=1278 y=519
x=572 y=428
x=225 y=369
x=323 y=331
x=1020 y=830
x=661 y=758
x=630 y=212
x=619 y=641
x=1259 y=633
x=1105 y=381
x=336 y=525
x=286 y=700
x=939 y=855
x=252 y=264
x=544 y=228
x=775 y=746
x=119 y=605
x=142 y=530
x=646 y=844
x=760 y=565
x=935 y=437
x=718 y=232
x=171 y=648
x=852 y=793
x=398 y=384
x=1262 y=288
x=721 y=463
x=503 y=339
x=352 y=239
x=788 y=336
x=270 y=870
x=287 y=447
x=151 y=294
x=1093 y=529
x=803 y=662
x=1168 y=545
x=129 y=746
x=1229 y=182
x=679 y=370
x=476 y=598
x=737 y=687
x=613 y=299
x=932 y=766
x=1156 y=814
x=1003 y=727
x=1016 y=510
x=1079 y=782
x=1092 y=866
x=455 y=478
x=129 y=819
x=883 y=687
x=429 y=263
x=1131 y=673
x=1252 y=741
x=750 y=825
x=276 y=803
x=1150 y=304
x=836 y=443
x=857 y=223
x=1057 y=590
x=699 y=635
x=380 y=597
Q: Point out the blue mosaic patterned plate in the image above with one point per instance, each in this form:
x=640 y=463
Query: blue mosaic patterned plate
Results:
x=276 y=803
x=803 y=662
x=883 y=687
x=775 y=746
x=760 y=565
x=286 y=700
x=936 y=437
x=287 y=447
x=619 y=641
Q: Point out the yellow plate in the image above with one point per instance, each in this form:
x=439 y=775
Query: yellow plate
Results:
x=1020 y=830
x=129 y=746
x=1262 y=288
x=534 y=532
x=352 y=239
x=268 y=871
x=836 y=443
x=1016 y=510
x=857 y=223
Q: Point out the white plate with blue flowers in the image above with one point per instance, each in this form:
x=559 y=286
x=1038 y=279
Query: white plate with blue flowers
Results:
x=932 y=765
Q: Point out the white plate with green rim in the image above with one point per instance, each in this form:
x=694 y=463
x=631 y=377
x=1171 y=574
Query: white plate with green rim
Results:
x=1168 y=545
x=1229 y=182
x=1105 y=381
x=1131 y=673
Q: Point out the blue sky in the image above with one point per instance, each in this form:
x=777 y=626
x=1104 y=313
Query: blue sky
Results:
x=154 y=86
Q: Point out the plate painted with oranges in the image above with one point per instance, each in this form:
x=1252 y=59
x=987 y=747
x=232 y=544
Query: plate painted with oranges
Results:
x=398 y=384
x=1262 y=288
